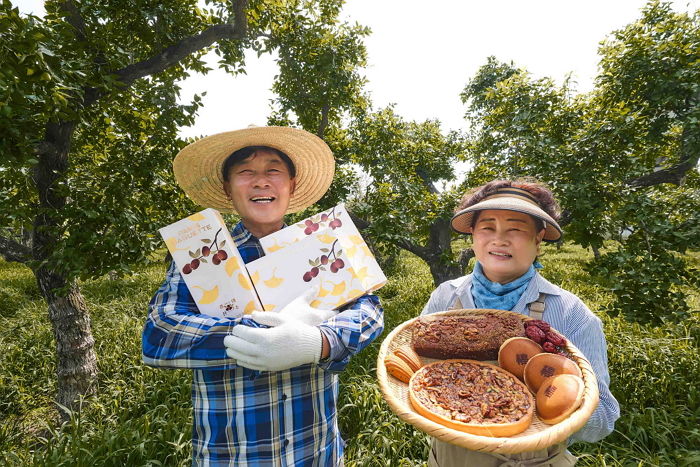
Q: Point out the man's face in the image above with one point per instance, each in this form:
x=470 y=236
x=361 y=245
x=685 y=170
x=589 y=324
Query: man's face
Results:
x=505 y=243
x=260 y=188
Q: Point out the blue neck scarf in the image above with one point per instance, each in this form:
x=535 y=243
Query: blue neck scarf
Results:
x=497 y=296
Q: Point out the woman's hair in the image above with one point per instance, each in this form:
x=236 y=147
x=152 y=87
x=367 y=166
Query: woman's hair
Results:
x=246 y=152
x=541 y=193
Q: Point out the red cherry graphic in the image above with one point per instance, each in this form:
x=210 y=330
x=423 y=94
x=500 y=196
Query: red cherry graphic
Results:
x=216 y=260
x=194 y=263
x=324 y=217
x=324 y=259
x=205 y=251
x=308 y=222
x=222 y=255
x=335 y=223
x=340 y=263
x=314 y=272
x=314 y=227
x=186 y=269
x=307 y=276
x=334 y=268
x=308 y=231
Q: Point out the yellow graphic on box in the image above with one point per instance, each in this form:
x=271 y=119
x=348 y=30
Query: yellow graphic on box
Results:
x=208 y=296
x=245 y=283
x=196 y=217
x=269 y=307
x=232 y=265
x=356 y=239
x=275 y=247
x=273 y=281
x=249 y=308
x=338 y=288
x=171 y=243
x=325 y=238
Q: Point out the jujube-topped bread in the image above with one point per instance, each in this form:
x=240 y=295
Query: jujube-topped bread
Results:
x=472 y=396
x=476 y=337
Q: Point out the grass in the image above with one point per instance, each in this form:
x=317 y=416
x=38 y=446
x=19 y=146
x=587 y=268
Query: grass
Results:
x=142 y=416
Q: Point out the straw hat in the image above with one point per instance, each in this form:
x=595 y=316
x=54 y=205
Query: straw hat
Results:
x=198 y=166
x=508 y=199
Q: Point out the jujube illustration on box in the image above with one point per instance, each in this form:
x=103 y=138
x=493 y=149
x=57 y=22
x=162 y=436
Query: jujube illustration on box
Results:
x=318 y=259
x=324 y=249
x=210 y=264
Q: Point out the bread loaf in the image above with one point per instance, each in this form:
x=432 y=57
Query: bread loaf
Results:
x=476 y=337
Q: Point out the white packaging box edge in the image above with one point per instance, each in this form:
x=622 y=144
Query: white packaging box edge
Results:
x=222 y=296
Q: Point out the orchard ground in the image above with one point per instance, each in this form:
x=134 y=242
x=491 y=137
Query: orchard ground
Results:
x=142 y=416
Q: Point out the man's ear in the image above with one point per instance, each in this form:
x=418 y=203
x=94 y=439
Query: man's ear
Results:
x=292 y=185
x=226 y=190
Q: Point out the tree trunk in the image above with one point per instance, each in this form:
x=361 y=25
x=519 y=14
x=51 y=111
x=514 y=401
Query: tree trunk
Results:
x=596 y=252
x=442 y=272
x=439 y=248
x=76 y=365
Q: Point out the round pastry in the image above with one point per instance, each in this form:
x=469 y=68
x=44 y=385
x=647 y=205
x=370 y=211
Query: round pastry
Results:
x=544 y=365
x=558 y=397
x=515 y=353
x=473 y=397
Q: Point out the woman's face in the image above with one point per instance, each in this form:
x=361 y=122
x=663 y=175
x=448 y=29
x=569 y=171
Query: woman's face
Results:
x=505 y=243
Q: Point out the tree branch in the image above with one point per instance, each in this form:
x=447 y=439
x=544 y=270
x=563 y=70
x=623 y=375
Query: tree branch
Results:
x=74 y=18
x=675 y=175
x=176 y=52
x=690 y=153
x=428 y=184
x=14 y=251
x=324 y=121
x=363 y=224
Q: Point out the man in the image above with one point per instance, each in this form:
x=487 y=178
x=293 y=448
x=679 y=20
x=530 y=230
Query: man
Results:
x=261 y=395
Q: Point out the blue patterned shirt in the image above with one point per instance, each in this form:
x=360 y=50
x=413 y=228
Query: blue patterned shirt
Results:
x=243 y=416
x=568 y=315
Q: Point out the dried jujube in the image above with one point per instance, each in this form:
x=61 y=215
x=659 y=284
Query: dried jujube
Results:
x=555 y=339
x=543 y=325
x=535 y=333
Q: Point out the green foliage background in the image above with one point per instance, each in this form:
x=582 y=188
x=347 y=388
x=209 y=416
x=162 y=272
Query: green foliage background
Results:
x=142 y=416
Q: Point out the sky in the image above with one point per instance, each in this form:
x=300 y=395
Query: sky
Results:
x=421 y=54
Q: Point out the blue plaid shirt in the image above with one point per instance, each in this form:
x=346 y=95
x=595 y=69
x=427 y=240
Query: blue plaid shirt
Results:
x=243 y=416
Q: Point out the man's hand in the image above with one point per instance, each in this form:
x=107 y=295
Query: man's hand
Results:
x=301 y=310
x=286 y=344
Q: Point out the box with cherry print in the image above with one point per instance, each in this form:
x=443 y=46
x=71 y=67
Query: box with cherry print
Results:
x=210 y=264
x=324 y=249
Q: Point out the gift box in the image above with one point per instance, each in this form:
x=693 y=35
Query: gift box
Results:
x=210 y=264
x=324 y=249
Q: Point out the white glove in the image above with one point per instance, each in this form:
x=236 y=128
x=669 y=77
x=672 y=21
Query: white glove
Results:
x=301 y=310
x=286 y=344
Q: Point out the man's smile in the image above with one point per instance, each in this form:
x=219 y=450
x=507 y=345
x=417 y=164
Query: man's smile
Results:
x=262 y=199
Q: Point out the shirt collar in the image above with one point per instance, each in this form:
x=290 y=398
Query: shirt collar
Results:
x=537 y=285
x=241 y=235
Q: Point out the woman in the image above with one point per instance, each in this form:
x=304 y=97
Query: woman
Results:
x=508 y=220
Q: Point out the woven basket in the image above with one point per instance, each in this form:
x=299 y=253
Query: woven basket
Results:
x=537 y=436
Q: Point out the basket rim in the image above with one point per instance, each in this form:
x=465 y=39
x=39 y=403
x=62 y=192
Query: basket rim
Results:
x=549 y=436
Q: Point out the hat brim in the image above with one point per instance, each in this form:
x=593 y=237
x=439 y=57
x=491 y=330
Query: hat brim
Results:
x=462 y=221
x=198 y=166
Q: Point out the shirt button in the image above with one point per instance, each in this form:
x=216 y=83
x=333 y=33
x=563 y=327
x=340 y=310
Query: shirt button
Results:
x=286 y=442
x=284 y=397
